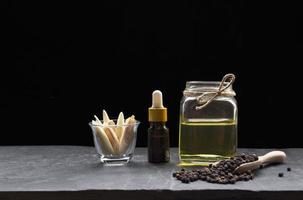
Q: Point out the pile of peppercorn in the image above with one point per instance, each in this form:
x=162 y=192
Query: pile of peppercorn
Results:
x=222 y=172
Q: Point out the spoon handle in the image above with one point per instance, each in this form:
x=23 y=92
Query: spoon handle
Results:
x=273 y=157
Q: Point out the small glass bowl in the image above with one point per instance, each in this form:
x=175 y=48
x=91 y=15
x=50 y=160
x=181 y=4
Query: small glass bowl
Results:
x=112 y=149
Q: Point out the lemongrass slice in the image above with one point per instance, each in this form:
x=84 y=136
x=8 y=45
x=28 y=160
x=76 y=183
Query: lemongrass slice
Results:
x=128 y=134
x=98 y=120
x=105 y=144
x=120 y=123
x=105 y=117
x=112 y=138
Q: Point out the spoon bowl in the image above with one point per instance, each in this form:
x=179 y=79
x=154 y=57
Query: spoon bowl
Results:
x=269 y=158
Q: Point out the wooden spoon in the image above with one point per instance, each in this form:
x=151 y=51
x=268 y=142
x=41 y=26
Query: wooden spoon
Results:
x=271 y=157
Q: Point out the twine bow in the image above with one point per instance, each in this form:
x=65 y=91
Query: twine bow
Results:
x=207 y=97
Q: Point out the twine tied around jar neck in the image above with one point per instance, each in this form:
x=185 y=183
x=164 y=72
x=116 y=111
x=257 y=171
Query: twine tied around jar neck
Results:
x=204 y=99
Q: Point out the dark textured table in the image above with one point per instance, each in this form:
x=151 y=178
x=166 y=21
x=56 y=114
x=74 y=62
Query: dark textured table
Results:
x=74 y=172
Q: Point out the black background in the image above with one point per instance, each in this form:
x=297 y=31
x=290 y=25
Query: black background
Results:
x=65 y=61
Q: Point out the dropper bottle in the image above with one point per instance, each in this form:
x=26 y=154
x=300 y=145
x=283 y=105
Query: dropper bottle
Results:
x=158 y=133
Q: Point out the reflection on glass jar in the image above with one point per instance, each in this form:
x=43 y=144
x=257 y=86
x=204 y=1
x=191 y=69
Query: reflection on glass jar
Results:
x=208 y=122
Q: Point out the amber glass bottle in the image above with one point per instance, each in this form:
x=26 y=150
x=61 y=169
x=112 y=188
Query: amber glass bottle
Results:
x=158 y=142
x=158 y=133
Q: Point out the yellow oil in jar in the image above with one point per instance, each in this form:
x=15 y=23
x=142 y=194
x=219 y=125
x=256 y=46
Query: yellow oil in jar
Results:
x=202 y=142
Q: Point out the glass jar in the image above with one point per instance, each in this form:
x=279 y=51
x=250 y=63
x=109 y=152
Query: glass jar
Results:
x=208 y=122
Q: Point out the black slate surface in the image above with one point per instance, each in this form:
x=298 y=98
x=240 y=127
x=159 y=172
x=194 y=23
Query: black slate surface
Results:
x=74 y=172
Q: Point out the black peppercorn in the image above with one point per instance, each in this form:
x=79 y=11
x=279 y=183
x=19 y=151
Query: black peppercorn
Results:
x=221 y=173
